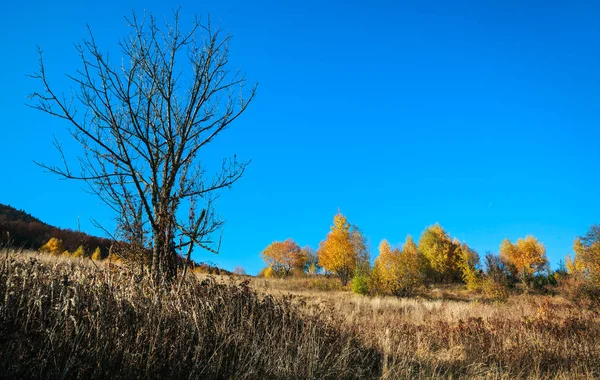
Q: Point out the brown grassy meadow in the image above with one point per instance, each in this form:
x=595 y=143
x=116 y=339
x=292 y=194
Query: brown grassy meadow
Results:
x=66 y=318
x=451 y=334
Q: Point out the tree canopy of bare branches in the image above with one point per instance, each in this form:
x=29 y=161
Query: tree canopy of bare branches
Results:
x=143 y=124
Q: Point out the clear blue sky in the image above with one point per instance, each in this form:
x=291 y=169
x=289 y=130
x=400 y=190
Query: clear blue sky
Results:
x=482 y=116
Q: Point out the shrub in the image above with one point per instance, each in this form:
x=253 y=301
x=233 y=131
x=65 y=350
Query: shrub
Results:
x=267 y=272
x=494 y=290
x=359 y=284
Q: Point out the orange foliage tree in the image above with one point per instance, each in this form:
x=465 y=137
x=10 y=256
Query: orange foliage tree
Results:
x=526 y=257
x=343 y=250
x=284 y=256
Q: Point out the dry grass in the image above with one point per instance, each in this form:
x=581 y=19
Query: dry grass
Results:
x=65 y=318
x=530 y=336
x=62 y=318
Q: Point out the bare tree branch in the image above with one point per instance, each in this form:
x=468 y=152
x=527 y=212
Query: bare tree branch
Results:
x=144 y=123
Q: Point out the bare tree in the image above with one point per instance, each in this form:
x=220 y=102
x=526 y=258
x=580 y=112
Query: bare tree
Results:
x=142 y=125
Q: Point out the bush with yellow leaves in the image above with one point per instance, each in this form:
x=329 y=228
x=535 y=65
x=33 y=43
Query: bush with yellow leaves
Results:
x=97 y=255
x=54 y=246
x=78 y=253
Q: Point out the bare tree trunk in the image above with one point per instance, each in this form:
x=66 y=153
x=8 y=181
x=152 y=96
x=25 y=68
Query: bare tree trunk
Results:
x=156 y=257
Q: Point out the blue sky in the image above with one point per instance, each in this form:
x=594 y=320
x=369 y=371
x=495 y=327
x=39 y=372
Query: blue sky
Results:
x=482 y=116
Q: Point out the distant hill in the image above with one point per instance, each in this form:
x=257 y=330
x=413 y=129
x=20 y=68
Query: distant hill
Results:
x=30 y=232
x=11 y=214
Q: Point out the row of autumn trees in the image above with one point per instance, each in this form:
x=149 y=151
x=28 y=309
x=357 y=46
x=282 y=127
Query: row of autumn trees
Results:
x=436 y=258
x=55 y=247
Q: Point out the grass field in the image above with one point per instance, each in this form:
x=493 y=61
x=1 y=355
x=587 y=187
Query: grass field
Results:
x=529 y=336
x=65 y=318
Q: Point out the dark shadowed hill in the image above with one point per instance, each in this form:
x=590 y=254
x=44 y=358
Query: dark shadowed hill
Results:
x=11 y=214
x=29 y=232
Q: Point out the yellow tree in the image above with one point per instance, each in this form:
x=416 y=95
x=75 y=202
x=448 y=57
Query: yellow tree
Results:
x=586 y=262
x=468 y=262
x=384 y=268
x=410 y=269
x=284 y=256
x=397 y=271
x=54 y=246
x=343 y=250
x=97 y=255
x=440 y=253
x=79 y=252
x=527 y=256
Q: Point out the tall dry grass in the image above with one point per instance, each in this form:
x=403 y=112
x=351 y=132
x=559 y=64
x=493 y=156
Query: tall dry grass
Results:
x=529 y=336
x=66 y=319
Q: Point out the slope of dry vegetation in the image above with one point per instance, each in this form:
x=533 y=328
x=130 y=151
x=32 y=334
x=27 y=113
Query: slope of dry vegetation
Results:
x=64 y=318
x=529 y=336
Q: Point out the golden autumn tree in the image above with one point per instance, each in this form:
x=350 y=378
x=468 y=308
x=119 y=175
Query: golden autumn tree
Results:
x=468 y=263
x=284 y=256
x=266 y=272
x=78 y=253
x=410 y=269
x=586 y=262
x=384 y=267
x=440 y=254
x=395 y=271
x=575 y=266
x=54 y=246
x=526 y=257
x=343 y=250
x=97 y=255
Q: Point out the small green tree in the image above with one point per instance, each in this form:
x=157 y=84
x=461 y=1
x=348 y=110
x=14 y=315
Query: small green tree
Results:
x=360 y=283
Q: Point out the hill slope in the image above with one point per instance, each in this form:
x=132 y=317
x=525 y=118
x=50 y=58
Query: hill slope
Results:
x=30 y=232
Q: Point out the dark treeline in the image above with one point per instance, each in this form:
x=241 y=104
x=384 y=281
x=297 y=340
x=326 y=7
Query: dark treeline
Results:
x=29 y=232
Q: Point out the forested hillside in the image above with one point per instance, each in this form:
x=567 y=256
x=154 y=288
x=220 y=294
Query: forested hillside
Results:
x=29 y=232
